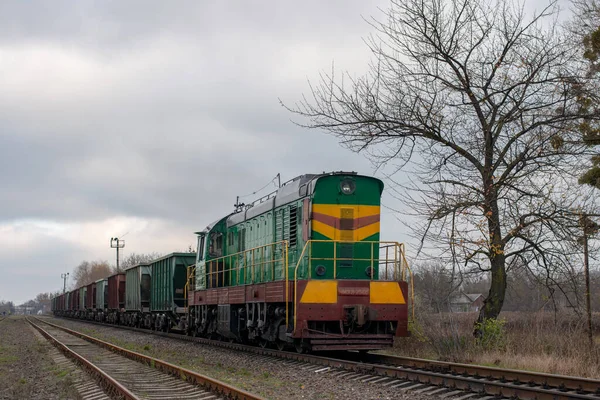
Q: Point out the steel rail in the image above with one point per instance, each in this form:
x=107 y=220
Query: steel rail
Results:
x=211 y=384
x=505 y=375
x=114 y=387
x=520 y=386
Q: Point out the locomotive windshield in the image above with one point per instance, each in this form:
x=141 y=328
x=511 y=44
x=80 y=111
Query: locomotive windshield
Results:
x=201 y=247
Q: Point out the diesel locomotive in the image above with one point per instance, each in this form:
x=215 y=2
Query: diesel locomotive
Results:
x=302 y=267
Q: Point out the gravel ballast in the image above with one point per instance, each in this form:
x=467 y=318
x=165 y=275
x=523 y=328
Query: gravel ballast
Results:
x=26 y=369
x=269 y=378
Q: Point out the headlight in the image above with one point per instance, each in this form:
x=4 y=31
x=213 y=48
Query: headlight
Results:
x=347 y=186
x=369 y=272
x=320 y=270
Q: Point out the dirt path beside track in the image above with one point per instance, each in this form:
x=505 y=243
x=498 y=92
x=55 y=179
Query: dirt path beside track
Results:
x=26 y=369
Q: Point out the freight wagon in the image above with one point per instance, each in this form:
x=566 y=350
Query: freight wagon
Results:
x=90 y=300
x=101 y=300
x=138 y=281
x=168 y=301
x=116 y=298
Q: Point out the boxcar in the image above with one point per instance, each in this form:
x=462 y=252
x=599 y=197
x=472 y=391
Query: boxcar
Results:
x=167 y=300
x=138 y=280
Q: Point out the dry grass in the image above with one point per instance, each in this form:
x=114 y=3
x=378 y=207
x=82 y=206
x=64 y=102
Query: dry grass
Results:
x=530 y=341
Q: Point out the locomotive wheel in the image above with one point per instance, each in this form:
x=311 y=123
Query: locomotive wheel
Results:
x=280 y=344
x=263 y=343
x=300 y=349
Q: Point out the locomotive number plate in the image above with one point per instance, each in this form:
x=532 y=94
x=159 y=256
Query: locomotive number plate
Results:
x=353 y=291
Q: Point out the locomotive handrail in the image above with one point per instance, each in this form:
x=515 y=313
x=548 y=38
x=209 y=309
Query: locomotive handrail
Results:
x=399 y=258
x=412 y=281
x=234 y=264
x=188 y=280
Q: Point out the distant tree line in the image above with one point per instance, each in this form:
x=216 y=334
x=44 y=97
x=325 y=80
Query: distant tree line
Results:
x=436 y=286
x=7 y=307
x=91 y=271
x=83 y=274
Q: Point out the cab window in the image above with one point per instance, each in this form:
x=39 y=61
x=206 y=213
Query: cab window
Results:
x=201 y=247
x=216 y=244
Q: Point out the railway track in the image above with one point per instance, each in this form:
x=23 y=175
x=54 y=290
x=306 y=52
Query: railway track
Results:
x=130 y=375
x=449 y=380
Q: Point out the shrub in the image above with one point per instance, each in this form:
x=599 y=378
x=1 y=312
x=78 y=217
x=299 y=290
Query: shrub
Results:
x=492 y=335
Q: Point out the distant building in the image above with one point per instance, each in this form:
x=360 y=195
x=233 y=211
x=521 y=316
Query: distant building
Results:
x=467 y=302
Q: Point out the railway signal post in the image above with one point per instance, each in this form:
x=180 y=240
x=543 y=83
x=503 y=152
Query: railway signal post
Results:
x=115 y=243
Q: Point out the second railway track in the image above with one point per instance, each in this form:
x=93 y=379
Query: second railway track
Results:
x=428 y=376
x=130 y=375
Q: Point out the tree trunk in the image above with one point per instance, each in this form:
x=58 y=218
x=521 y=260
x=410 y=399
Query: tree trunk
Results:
x=495 y=298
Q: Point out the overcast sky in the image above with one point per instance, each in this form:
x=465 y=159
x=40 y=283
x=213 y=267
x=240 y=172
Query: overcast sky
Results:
x=148 y=118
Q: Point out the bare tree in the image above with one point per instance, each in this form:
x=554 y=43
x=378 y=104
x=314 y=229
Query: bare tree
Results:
x=134 y=259
x=435 y=284
x=481 y=104
x=88 y=272
x=585 y=28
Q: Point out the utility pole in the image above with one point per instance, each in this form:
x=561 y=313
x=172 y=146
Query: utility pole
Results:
x=115 y=243
x=64 y=277
x=587 y=230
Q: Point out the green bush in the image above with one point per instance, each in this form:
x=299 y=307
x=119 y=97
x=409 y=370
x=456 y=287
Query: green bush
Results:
x=492 y=335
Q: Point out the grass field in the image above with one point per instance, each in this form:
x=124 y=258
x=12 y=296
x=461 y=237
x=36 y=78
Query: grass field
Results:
x=542 y=342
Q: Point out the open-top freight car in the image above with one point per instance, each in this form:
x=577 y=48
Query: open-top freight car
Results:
x=138 y=281
x=167 y=301
x=116 y=298
x=90 y=300
x=74 y=299
x=101 y=300
x=57 y=304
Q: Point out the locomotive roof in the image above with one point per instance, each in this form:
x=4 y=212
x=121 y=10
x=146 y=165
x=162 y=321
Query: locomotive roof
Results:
x=294 y=189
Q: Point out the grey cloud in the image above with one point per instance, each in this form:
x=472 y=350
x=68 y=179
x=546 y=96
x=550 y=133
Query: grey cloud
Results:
x=125 y=24
x=26 y=273
x=163 y=142
x=158 y=110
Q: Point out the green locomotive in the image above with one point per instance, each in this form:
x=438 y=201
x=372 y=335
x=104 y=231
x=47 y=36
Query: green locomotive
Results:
x=303 y=266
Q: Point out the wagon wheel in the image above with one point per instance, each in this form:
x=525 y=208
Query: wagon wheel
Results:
x=300 y=348
x=263 y=343
x=280 y=344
